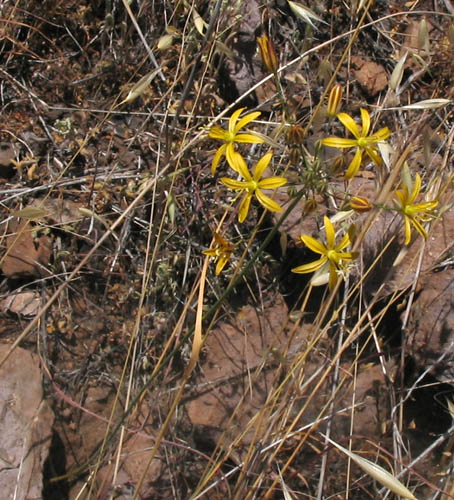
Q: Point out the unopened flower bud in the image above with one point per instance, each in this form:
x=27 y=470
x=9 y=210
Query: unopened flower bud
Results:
x=294 y=135
x=334 y=100
x=267 y=53
x=360 y=204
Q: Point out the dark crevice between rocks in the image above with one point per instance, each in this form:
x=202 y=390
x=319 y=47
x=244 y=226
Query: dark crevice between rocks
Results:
x=54 y=467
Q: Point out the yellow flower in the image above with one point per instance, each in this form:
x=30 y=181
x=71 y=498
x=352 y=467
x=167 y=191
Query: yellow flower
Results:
x=362 y=141
x=253 y=185
x=232 y=135
x=414 y=214
x=222 y=251
x=332 y=259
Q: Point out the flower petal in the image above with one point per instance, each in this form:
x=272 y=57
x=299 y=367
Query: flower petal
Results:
x=221 y=263
x=418 y=226
x=339 y=142
x=373 y=155
x=379 y=136
x=349 y=256
x=427 y=206
x=245 y=120
x=233 y=184
x=365 y=121
x=239 y=165
x=272 y=182
x=313 y=244
x=415 y=190
x=244 y=207
x=233 y=119
x=262 y=165
x=217 y=158
x=407 y=230
x=309 y=268
x=333 y=277
x=402 y=196
x=330 y=235
x=354 y=165
x=345 y=241
x=350 y=124
x=217 y=133
x=249 y=138
x=267 y=202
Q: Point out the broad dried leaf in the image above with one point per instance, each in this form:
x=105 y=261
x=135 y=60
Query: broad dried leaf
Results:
x=304 y=13
x=141 y=86
x=428 y=104
x=30 y=213
x=378 y=473
x=398 y=72
x=199 y=23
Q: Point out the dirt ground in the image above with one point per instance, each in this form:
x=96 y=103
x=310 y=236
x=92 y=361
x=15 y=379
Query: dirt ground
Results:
x=107 y=203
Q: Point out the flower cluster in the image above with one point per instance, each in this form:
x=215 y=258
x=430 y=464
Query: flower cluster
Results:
x=334 y=261
x=250 y=185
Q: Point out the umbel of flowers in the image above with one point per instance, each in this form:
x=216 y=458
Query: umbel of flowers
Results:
x=335 y=259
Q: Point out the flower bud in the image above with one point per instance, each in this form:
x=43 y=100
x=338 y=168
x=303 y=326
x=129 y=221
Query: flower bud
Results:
x=294 y=135
x=334 y=100
x=267 y=53
x=360 y=204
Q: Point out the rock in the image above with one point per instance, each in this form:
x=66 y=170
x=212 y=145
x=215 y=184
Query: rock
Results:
x=26 y=256
x=26 y=426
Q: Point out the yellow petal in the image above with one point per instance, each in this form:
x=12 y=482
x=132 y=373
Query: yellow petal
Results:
x=416 y=189
x=249 y=138
x=339 y=142
x=373 y=155
x=244 y=207
x=272 y=182
x=407 y=230
x=221 y=264
x=348 y=256
x=401 y=196
x=217 y=158
x=233 y=184
x=418 y=227
x=246 y=119
x=262 y=165
x=333 y=277
x=365 y=120
x=313 y=244
x=330 y=235
x=309 y=268
x=239 y=165
x=427 y=206
x=267 y=202
x=233 y=119
x=230 y=156
x=354 y=165
x=217 y=133
x=350 y=124
x=380 y=136
x=344 y=243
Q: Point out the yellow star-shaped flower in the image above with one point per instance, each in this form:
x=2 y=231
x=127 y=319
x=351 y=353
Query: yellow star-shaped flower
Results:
x=221 y=252
x=333 y=257
x=414 y=213
x=362 y=141
x=253 y=184
x=233 y=135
